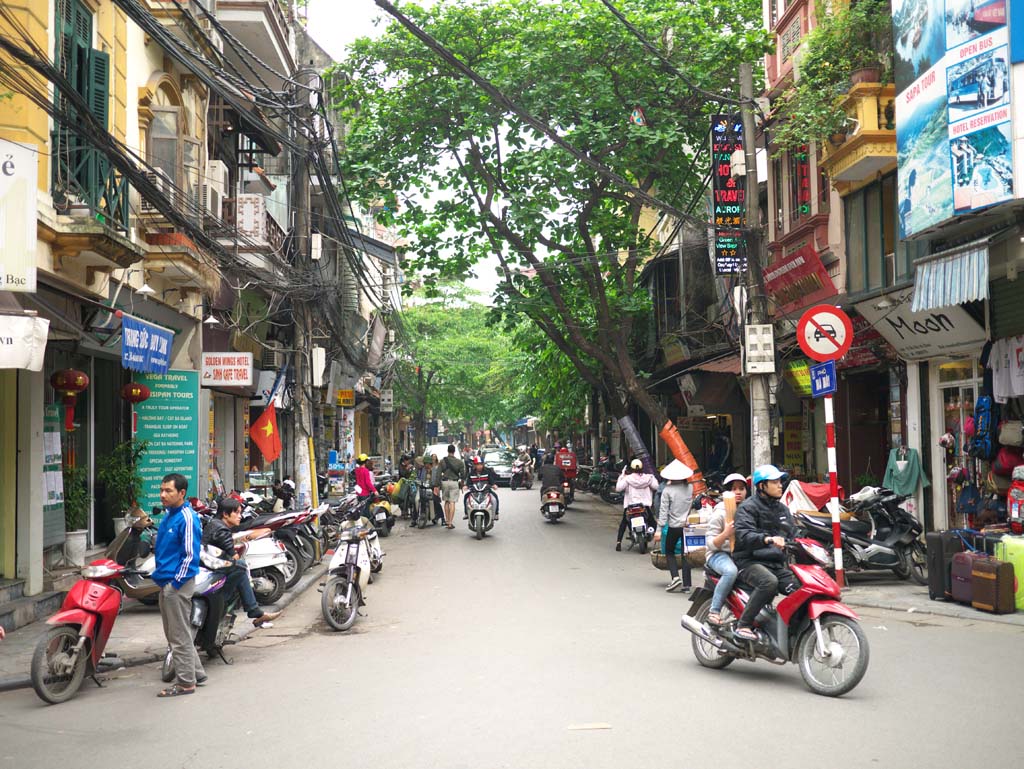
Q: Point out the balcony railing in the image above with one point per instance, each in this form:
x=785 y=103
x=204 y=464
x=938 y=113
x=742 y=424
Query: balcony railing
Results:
x=83 y=174
x=249 y=215
x=871 y=147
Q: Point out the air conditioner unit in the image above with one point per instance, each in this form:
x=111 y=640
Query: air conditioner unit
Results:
x=218 y=176
x=163 y=184
x=212 y=201
x=273 y=356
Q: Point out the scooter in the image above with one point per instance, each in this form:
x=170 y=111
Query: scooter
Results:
x=372 y=543
x=380 y=513
x=552 y=505
x=78 y=633
x=348 y=576
x=480 y=505
x=521 y=477
x=639 y=531
x=810 y=627
x=569 y=491
x=267 y=560
x=133 y=548
x=883 y=536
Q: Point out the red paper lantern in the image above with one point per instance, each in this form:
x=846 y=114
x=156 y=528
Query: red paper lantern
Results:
x=68 y=384
x=134 y=393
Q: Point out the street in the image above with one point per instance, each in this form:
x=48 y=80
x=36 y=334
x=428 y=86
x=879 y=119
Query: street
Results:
x=539 y=646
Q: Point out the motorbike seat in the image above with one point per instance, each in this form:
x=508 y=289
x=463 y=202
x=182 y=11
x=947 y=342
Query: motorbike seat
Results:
x=855 y=527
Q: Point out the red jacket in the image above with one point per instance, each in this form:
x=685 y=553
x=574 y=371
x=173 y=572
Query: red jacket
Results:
x=364 y=479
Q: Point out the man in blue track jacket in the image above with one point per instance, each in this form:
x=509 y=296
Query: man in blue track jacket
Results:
x=177 y=563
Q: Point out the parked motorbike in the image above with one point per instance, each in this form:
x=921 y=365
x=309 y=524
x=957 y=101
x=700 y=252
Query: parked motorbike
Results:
x=480 y=505
x=298 y=551
x=267 y=561
x=133 y=548
x=347 y=577
x=380 y=513
x=552 y=505
x=882 y=536
x=639 y=531
x=73 y=645
x=521 y=478
x=213 y=613
x=810 y=627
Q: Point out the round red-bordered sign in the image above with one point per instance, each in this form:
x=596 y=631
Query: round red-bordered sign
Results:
x=824 y=332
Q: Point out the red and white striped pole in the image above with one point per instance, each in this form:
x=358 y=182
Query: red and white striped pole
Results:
x=833 y=486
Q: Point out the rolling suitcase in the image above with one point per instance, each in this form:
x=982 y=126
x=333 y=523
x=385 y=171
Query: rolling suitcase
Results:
x=1011 y=549
x=941 y=547
x=992 y=583
x=960 y=573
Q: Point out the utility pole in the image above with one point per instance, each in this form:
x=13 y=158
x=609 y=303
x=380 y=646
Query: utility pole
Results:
x=760 y=410
x=302 y=230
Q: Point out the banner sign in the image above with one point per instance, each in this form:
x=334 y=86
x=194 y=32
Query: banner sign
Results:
x=728 y=196
x=928 y=334
x=232 y=369
x=952 y=110
x=19 y=170
x=346 y=398
x=169 y=419
x=145 y=347
x=23 y=342
x=799 y=280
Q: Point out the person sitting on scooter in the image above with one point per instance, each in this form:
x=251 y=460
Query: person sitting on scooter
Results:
x=719 y=537
x=762 y=525
x=480 y=469
x=550 y=477
x=364 y=481
x=638 y=488
x=218 y=534
x=527 y=460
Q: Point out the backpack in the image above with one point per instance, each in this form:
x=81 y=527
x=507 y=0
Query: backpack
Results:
x=983 y=444
x=969 y=501
x=452 y=470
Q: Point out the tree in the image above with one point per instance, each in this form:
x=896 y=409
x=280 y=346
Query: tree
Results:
x=467 y=178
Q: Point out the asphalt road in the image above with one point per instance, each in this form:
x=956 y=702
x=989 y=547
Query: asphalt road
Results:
x=538 y=647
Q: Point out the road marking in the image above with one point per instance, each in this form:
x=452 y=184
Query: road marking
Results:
x=587 y=727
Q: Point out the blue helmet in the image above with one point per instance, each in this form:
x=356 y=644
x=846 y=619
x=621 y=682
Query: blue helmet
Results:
x=767 y=473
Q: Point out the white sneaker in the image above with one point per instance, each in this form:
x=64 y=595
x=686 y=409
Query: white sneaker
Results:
x=674 y=584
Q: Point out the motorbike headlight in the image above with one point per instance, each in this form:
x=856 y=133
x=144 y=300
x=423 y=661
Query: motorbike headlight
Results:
x=818 y=553
x=98 y=572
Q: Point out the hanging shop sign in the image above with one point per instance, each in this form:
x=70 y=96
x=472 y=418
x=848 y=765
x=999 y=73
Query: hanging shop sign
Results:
x=23 y=342
x=346 y=398
x=227 y=369
x=798 y=374
x=953 y=109
x=729 y=195
x=920 y=335
x=19 y=171
x=145 y=347
x=169 y=421
x=798 y=280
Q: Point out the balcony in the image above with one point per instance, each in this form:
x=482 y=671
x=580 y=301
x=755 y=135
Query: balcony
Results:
x=871 y=148
x=258 y=232
x=262 y=26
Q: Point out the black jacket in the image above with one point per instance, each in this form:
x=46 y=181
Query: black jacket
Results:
x=758 y=517
x=551 y=477
x=492 y=477
x=218 y=534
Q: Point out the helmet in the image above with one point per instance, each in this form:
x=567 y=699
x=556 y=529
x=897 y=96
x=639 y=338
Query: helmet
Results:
x=732 y=478
x=767 y=473
x=476 y=460
x=362 y=458
x=390 y=489
x=558 y=444
x=636 y=464
x=289 y=483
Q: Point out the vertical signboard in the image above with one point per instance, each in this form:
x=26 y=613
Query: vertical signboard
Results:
x=952 y=109
x=728 y=195
x=19 y=169
x=53 y=477
x=170 y=421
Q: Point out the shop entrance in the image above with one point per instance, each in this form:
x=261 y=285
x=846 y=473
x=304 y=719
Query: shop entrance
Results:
x=959 y=385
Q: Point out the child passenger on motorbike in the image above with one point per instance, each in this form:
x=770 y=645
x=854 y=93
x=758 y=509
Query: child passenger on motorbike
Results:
x=638 y=488
x=719 y=546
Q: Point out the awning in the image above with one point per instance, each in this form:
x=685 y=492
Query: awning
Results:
x=23 y=341
x=729 y=363
x=952 y=277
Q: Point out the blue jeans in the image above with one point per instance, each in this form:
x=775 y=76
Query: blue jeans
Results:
x=722 y=562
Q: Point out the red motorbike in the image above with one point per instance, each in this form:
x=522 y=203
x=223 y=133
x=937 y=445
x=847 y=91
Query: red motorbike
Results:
x=78 y=633
x=810 y=627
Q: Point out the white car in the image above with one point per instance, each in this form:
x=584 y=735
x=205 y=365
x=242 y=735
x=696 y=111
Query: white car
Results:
x=440 y=450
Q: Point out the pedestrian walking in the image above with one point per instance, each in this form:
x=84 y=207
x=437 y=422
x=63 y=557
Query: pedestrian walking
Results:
x=177 y=563
x=676 y=501
x=453 y=475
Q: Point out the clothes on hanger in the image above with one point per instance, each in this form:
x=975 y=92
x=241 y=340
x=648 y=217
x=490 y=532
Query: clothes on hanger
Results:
x=904 y=475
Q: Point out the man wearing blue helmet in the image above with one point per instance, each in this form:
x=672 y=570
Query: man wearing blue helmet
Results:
x=762 y=525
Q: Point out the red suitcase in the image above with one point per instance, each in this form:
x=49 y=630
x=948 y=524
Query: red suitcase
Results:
x=993 y=586
x=961 y=574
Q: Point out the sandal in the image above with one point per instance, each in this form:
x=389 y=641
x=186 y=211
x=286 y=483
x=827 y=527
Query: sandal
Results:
x=176 y=691
x=745 y=633
x=714 y=618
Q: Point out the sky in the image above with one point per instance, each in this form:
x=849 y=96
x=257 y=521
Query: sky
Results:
x=336 y=23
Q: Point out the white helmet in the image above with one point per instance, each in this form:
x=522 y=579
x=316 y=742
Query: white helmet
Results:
x=732 y=478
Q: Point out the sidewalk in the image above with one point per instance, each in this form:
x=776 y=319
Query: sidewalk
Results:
x=137 y=638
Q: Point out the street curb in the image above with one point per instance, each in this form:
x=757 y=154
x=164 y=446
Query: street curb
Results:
x=973 y=616
x=314 y=574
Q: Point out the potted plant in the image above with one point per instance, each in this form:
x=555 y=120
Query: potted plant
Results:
x=118 y=471
x=851 y=43
x=76 y=513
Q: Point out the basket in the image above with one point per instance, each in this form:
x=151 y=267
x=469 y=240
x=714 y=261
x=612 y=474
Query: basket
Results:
x=695 y=558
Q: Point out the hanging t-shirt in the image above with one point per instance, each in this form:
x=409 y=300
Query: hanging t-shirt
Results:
x=1015 y=364
x=999 y=362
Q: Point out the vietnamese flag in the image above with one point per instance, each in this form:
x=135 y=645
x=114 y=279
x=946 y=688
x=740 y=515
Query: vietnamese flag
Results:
x=264 y=434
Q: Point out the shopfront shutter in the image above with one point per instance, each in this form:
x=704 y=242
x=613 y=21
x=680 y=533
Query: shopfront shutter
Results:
x=1006 y=308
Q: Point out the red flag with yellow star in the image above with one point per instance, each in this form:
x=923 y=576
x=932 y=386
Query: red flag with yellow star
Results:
x=264 y=434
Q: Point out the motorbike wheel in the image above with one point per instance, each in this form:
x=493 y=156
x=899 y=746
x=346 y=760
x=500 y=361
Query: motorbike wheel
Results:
x=918 y=563
x=292 y=567
x=167 y=668
x=707 y=654
x=905 y=567
x=529 y=484
x=829 y=676
x=150 y=600
x=54 y=677
x=273 y=595
x=310 y=547
x=641 y=544
x=306 y=552
x=480 y=529
x=513 y=483
x=336 y=615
